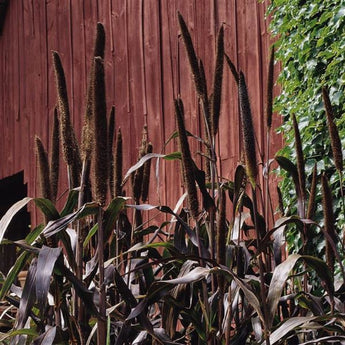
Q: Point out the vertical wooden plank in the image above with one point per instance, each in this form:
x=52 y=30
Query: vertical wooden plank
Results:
x=187 y=88
x=229 y=130
x=171 y=184
x=276 y=140
x=104 y=13
x=78 y=70
x=7 y=56
x=7 y=92
x=136 y=114
x=121 y=81
x=28 y=45
x=54 y=35
x=90 y=19
x=254 y=78
x=205 y=38
x=152 y=92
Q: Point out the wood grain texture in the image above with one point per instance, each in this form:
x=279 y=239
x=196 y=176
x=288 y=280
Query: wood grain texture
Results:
x=146 y=68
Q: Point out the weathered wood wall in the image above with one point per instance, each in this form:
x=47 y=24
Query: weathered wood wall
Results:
x=146 y=67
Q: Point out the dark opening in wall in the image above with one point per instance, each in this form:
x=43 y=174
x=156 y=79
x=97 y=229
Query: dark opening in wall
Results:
x=13 y=189
x=3 y=9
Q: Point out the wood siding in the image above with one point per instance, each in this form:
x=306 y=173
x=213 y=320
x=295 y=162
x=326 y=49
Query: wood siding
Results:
x=146 y=68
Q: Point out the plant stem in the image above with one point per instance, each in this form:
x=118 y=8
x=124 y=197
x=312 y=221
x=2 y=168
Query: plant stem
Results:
x=261 y=269
x=267 y=190
x=102 y=323
x=80 y=238
x=228 y=314
x=204 y=284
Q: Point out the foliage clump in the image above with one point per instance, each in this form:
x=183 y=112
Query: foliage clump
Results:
x=310 y=43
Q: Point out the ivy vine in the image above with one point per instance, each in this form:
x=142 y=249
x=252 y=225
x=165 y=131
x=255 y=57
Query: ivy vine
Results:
x=310 y=43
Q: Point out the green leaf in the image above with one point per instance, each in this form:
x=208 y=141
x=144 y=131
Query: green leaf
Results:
x=71 y=203
x=58 y=225
x=322 y=270
x=174 y=135
x=290 y=167
x=88 y=209
x=47 y=208
x=144 y=246
x=23 y=331
x=91 y=233
x=172 y=156
x=34 y=234
x=111 y=215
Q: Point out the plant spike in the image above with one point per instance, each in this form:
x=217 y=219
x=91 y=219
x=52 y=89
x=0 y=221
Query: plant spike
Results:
x=335 y=142
x=312 y=196
x=146 y=175
x=193 y=60
x=111 y=130
x=217 y=82
x=99 y=41
x=101 y=134
x=43 y=168
x=248 y=131
x=55 y=158
x=63 y=109
x=187 y=162
x=118 y=165
x=205 y=100
x=300 y=159
x=269 y=109
x=69 y=141
x=333 y=132
x=232 y=69
x=270 y=84
x=87 y=134
x=329 y=221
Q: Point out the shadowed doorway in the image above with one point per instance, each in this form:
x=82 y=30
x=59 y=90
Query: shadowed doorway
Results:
x=13 y=189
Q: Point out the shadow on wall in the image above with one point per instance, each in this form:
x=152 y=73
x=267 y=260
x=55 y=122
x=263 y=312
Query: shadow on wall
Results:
x=13 y=189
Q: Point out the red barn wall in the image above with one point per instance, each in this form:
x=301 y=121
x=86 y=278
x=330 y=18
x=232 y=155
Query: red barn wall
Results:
x=146 y=68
